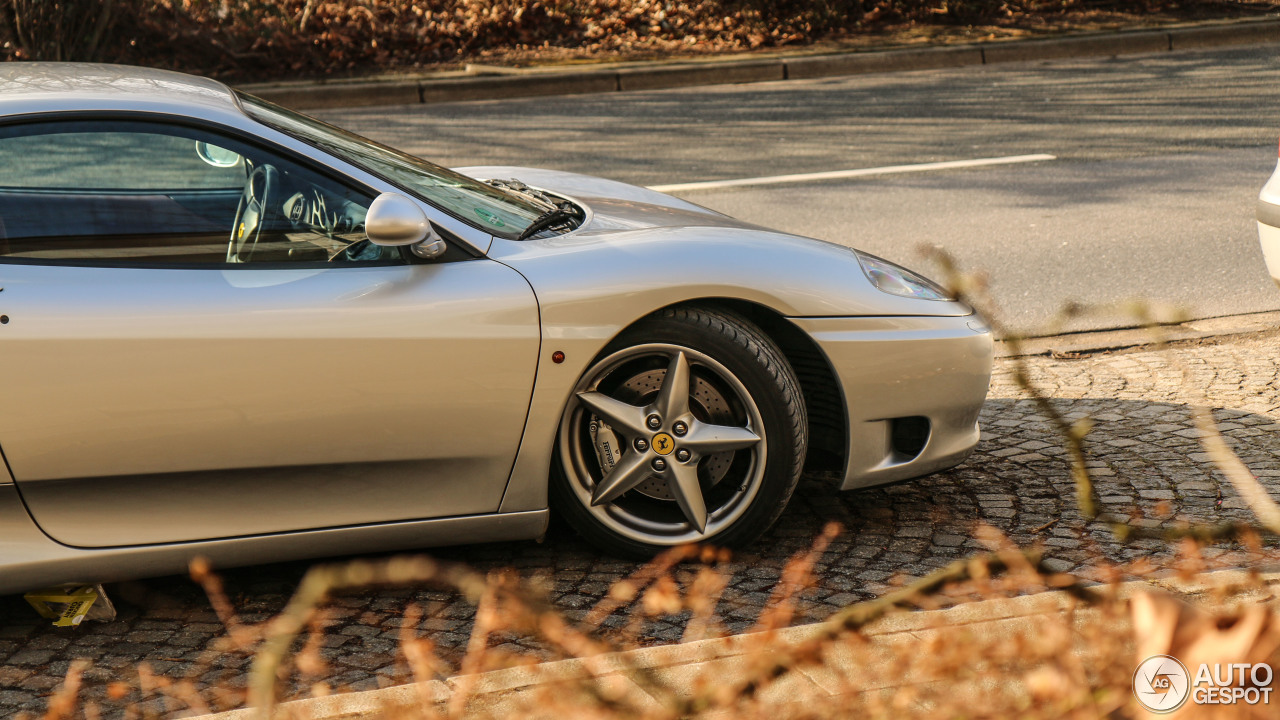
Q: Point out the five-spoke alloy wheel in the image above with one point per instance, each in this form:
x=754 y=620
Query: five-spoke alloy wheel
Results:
x=689 y=428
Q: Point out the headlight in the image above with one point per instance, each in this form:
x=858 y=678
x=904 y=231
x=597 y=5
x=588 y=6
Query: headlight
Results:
x=897 y=280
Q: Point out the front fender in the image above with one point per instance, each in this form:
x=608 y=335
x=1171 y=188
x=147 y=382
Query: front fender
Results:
x=591 y=286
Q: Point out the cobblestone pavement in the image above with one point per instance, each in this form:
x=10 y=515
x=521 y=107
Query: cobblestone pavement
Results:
x=1143 y=450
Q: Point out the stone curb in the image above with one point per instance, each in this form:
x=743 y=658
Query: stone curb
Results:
x=675 y=662
x=1086 y=342
x=498 y=83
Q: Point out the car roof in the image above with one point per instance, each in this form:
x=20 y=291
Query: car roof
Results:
x=32 y=87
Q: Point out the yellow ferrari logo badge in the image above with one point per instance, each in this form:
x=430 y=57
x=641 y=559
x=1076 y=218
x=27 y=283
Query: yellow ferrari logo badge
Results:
x=240 y=232
x=663 y=444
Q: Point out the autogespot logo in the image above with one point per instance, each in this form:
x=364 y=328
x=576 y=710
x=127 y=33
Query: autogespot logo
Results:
x=1161 y=684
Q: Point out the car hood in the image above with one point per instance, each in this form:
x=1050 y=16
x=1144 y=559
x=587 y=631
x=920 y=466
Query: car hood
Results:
x=641 y=243
x=612 y=205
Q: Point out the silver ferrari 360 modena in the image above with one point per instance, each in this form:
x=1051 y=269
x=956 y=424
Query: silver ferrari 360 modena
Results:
x=230 y=330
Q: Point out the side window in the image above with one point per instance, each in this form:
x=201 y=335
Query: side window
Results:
x=148 y=193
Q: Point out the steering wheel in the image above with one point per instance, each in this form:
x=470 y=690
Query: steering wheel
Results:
x=255 y=201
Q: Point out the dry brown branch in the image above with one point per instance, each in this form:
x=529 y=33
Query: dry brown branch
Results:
x=705 y=591
x=89 y=48
x=1221 y=454
x=242 y=636
x=63 y=702
x=855 y=617
x=1229 y=463
x=796 y=576
x=1046 y=526
x=473 y=662
x=420 y=653
x=322 y=580
x=970 y=290
x=625 y=591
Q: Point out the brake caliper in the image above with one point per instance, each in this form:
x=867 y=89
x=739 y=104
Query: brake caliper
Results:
x=608 y=450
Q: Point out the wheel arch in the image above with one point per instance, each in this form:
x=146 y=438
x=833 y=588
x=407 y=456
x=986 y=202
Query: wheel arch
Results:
x=820 y=389
x=824 y=402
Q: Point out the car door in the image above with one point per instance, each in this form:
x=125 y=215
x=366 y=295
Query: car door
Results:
x=153 y=392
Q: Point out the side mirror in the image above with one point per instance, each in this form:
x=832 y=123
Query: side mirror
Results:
x=394 y=220
x=216 y=156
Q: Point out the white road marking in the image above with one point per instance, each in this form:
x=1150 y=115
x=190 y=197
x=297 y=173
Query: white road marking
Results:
x=842 y=174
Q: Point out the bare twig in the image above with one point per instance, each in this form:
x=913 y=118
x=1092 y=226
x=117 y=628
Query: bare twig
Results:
x=306 y=15
x=624 y=591
x=89 y=48
x=1230 y=464
x=967 y=290
x=1046 y=526
x=472 y=663
x=853 y=618
x=319 y=582
x=796 y=576
x=241 y=635
x=1073 y=433
x=63 y=702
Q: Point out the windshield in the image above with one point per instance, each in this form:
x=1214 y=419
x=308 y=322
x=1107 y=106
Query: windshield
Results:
x=469 y=200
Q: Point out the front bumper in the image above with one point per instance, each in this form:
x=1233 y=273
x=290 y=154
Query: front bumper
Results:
x=890 y=369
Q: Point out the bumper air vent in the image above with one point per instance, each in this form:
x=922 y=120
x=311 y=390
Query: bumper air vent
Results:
x=908 y=436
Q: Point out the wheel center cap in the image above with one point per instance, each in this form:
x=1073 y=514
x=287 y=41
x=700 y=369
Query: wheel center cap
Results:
x=663 y=444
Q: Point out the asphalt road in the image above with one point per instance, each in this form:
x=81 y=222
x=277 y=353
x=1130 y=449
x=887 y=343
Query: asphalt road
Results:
x=1159 y=161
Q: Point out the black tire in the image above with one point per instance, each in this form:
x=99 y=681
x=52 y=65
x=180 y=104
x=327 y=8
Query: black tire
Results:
x=721 y=341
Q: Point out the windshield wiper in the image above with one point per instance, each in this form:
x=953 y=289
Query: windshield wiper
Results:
x=551 y=217
x=519 y=188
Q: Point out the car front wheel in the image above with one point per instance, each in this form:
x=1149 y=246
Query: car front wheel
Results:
x=690 y=428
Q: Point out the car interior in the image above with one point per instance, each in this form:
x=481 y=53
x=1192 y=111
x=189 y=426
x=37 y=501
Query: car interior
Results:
x=118 y=197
